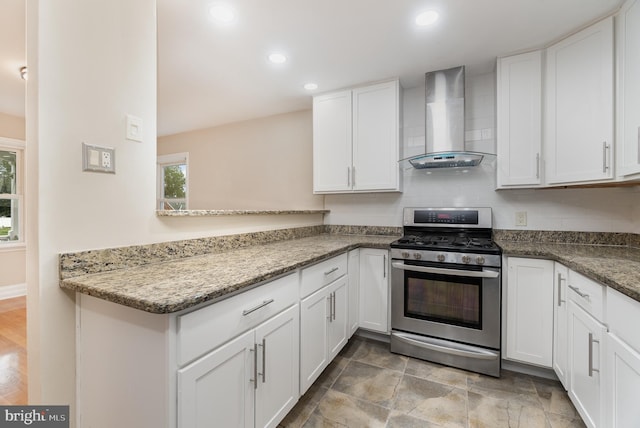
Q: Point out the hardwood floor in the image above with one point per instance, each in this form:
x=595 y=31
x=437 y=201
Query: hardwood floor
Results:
x=13 y=351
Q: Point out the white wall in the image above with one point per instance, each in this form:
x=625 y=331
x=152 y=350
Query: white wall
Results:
x=91 y=63
x=606 y=210
x=261 y=164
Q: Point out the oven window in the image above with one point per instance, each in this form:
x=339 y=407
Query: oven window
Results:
x=444 y=299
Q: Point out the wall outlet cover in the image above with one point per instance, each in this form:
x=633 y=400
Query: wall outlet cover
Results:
x=98 y=159
x=521 y=218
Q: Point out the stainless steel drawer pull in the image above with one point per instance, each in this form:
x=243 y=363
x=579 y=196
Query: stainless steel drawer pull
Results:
x=260 y=306
x=334 y=305
x=591 y=342
x=605 y=147
x=330 y=297
x=580 y=293
x=384 y=266
x=264 y=359
x=560 y=279
x=537 y=165
x=329 y=272
x=255 y=366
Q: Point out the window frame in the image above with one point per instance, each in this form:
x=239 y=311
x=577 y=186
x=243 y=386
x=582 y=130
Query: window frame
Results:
x=169 y=160
x=19 y=147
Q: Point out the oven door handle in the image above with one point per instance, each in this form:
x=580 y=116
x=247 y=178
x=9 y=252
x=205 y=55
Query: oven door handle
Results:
x=444 y=271
x=457 y=349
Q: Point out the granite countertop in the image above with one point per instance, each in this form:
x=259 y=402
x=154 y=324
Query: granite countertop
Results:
x=179 y=284
x=207 y=213
x=615 y=266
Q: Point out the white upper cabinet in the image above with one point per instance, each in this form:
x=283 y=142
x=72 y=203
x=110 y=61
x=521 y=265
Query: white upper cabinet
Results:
x=332 y=142
x=628 y=113
x=579 y=107
x=356 y=140
x=519 y=120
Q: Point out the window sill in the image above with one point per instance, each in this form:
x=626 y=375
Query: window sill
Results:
x=12 y=246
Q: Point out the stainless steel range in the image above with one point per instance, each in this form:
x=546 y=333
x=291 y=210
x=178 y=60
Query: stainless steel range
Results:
x=445 y=289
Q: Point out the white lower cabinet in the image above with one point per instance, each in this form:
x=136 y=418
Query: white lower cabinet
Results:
x=323 y=330
x=251 y=381
x=374 y=289
x=560 y=345
x=586 y=336
x=354 y=290
x=623 y=384
x=529 y=314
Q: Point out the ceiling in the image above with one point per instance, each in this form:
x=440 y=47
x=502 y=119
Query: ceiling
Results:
x=211 y=74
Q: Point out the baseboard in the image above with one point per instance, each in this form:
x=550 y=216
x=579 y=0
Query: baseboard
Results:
x=373 y=335
x=529 y=369
x=11 y=291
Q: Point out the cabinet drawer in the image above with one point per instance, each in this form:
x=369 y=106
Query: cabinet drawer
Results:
x=317 y=276
x=587 y=293
x=205 y=329
x=622 y=315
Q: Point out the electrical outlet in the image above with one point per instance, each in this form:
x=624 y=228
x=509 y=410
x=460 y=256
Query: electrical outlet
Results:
x=106 y=160
x=521 y=218
x=98 y=159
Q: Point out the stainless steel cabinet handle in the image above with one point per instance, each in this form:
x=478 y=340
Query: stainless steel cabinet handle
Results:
x=605 y=147
x=443 y=271
x=261 y=305
x=384 y=266
x=353 y=176
x=579 y=293
x=348 y=176
x=560 y=279
x=591 y=342
x=329 y=272
x=333 y=306
x=330 y=298
x=255 y=366
x=537 y=165
x=264 y=359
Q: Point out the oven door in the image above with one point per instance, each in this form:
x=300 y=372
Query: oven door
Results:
x=459 y=304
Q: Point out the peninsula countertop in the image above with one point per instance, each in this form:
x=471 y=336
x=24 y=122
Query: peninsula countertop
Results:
x=172 y=286
x=617 y=267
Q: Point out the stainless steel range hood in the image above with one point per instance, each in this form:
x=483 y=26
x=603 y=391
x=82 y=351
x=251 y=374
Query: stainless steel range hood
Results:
x=444 y=136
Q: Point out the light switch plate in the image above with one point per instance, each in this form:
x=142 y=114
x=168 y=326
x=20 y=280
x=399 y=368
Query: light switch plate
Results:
x=521 y=218
x=98 y=159
x=134 y=128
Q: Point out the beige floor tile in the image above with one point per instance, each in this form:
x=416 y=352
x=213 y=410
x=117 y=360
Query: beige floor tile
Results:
x=433 y=402
x=439 y=373
x=351 y=347
x=304 y=408
x=402 y=420
x=332 y=372
x=378 y=354
x=561 y=421
x=368 y=382
x=554 y=398
x=490 y=412
x=337 y=409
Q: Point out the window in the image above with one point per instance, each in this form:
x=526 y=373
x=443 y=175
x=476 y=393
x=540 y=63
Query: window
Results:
x=11 y=185
x=173 y=181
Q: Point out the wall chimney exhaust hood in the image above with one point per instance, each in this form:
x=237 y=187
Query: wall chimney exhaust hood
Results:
x=444 y=133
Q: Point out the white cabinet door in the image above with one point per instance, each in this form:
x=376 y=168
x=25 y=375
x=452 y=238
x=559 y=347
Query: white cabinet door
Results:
x=623 y=384
x=579 y=106
x=337 y=328
x=332 y=156
x=354 y=293
x=376 y=137
x=218 y=389
x=278 y=367
x=519 y=139
x=314 y=356
x=530 y=311
x=628 y=113
x=560 y=345
x=585 y=364
x=374 y=290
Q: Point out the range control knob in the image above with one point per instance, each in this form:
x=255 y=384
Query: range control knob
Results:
x=440 y=257
x=417 y=256
x=480 y=260
x=466 y=259
x=405 y=254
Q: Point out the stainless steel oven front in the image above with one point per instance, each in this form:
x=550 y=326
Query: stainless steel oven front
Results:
x=447 y=313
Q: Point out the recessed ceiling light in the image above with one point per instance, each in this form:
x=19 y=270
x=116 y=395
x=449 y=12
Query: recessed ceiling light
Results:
x=310 y=86
x=222 y=13
x=277 y=58
x=428 y=17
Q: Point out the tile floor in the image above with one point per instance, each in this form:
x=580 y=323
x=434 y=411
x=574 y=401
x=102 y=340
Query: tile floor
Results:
x=368 y=386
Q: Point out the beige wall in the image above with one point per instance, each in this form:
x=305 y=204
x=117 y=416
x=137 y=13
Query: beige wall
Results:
x=12 y=260
x=12 y=126
x=263 y=163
